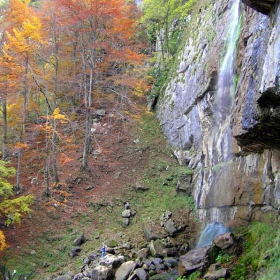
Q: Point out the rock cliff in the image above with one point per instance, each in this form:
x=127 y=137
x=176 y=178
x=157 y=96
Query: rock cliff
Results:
x=231 y=141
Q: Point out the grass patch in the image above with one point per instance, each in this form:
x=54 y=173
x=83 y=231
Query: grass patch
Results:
x=160 y=174
x=261 y=259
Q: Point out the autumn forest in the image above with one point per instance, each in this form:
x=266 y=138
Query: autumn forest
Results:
x=62 y=54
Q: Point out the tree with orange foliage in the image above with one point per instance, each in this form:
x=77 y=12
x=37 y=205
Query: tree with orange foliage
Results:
x=22 y=41
x=106 y=45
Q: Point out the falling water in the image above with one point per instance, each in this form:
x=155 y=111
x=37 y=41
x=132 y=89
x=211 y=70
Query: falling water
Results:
x=220 y=149
x=210 y=232
x=219 y=142
x=225 y=89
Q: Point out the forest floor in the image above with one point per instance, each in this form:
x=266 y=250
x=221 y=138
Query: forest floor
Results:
x=127 y=149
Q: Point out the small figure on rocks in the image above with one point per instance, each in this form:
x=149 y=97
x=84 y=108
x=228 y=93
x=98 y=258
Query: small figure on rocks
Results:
x=126 y=205
x=103 y=250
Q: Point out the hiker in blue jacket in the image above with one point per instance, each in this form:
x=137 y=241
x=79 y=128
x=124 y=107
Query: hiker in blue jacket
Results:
x=103 y=250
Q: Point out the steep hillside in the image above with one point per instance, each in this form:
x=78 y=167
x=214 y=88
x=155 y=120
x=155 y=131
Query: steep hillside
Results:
x=130 y=161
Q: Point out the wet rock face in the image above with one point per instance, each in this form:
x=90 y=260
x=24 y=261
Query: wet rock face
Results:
x=261 y=6
x=235 y=159
x=258 y=111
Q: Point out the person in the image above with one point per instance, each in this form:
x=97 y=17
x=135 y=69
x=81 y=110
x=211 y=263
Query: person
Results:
x=103 y=250
x=126 y=205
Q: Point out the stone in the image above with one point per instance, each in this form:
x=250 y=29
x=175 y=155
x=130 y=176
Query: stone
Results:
x=139 y=274
x=171 y=262
x=87 y=273
x=125 y=270
x=143 y=253
x=126 y=222
x=68 y=276
x=197 y=259
x=156 y=261
x=170 y=227
x=111 y=260
x=92 y=256
x=64 y=277
x=102 y=273
x=79 y=240
x=156 y=248
x=140 y=187
x=78 y=276
x=170 y=252
x=224 y=241
x=74 y=252
x=216 y=274
x=126 y=213
x=184 y=184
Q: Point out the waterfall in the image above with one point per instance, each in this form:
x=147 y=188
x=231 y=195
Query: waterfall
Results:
x=220 y=149
x=218 y=145
x=225 y=91
x=210 y=232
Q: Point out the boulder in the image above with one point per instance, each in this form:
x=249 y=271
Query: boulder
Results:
x=102 y=273
x=171 y=252
x=78 y=276
x=79 y=240
x=171 y=262
x=143 y=253
x=111 y=260
x=87 y=273
x=126 y=222
x=197 y=259
x=140 y=188
x=156 y=248
x=139 y=274
x=126 y=213
x=67 y=276
x=224 y=241
x=125 y=270
x=156 y=261
x=216 y=272
x=74 y=252
x=184 y=184
x=170 y=227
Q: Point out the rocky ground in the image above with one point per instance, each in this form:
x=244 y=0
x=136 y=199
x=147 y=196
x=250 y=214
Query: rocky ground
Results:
x=129 y=161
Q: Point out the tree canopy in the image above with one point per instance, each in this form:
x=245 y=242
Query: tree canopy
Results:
x=56 y=54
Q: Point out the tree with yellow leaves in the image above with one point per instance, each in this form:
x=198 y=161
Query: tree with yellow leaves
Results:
x=52 y=137
x=22 y=42
x=11 y=209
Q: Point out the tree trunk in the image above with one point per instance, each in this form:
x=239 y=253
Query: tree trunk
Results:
x=18 y=170
x=87 y=139
x=25 y=97
x=47 y=167
x=54 y=162
x=5 y=128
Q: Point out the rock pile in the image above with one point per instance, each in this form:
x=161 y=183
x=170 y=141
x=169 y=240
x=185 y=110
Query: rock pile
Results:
x=164 y=256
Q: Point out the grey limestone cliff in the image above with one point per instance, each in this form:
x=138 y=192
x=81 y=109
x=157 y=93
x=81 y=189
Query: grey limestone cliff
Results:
x=230 y=140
